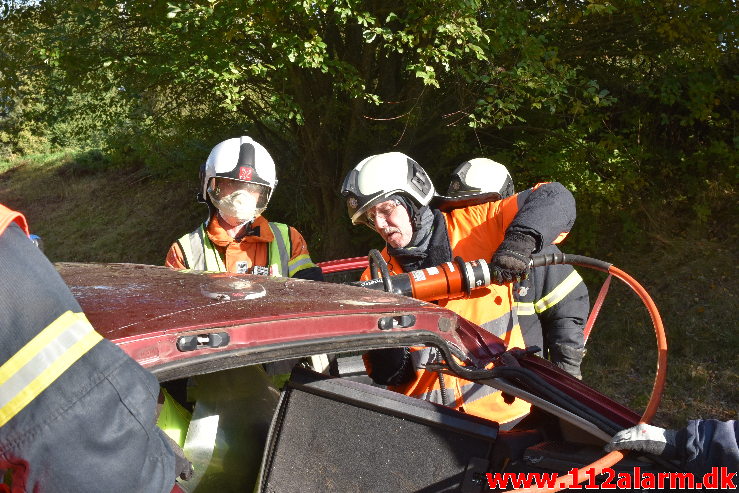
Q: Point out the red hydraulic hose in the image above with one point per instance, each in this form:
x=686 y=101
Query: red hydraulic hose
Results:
x=596 y=309
x=343 y=264
x=612 y=458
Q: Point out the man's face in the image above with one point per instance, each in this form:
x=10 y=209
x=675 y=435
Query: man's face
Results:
x=390 y=219
x=237 y=201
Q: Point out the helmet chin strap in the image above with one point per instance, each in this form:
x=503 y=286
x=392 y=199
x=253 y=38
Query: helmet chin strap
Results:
x=416 y=214
x=416 y=222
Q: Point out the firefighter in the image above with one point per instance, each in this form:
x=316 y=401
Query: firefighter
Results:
x=236 y=183
x=700 y=446
x=76 y=413
x=390 y=193
x=552 y=302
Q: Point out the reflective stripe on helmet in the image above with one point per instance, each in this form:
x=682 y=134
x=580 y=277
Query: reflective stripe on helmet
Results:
x=42 y=360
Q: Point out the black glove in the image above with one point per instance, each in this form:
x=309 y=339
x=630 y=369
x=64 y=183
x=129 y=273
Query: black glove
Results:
x=567 y=358
x=647 y=439
x=511 y=260
x=183 y=467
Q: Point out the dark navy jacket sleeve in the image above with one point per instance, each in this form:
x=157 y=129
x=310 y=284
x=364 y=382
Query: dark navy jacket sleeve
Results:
x=92 y=428
x=708 y=443
x=544 y=213
x=563 y=303
x=553 y=306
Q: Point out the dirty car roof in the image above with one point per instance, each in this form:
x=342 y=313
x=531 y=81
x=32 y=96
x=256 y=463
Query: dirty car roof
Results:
x=144 y=308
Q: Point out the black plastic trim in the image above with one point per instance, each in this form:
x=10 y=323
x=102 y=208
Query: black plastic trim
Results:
x=224 y=360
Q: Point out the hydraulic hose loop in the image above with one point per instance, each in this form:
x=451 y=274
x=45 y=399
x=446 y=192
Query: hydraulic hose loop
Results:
x=377 y=262
x=661 y=376
x=612 y=458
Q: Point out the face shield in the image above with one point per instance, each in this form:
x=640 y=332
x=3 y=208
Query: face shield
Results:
x=240 y=200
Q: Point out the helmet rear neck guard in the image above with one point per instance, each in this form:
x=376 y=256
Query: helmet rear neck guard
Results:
x=241 y=159
x=378 y=177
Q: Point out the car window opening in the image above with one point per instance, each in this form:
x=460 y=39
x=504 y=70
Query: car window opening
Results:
x=281 y=422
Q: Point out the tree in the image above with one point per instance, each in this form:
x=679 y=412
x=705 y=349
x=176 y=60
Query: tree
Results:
x=597 y=94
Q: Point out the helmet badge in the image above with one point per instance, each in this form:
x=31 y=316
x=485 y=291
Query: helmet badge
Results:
x=352 y=202
x=245 y=173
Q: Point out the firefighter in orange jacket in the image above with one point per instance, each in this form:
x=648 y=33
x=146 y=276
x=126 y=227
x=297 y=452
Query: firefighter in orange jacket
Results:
x=390 y=193
x=552 y=303
x=76 y=413
x=236 y=183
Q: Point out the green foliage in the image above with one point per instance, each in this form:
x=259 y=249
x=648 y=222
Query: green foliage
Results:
x=620 y=100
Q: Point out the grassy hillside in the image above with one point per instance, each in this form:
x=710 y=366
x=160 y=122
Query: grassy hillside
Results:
x=85 y=212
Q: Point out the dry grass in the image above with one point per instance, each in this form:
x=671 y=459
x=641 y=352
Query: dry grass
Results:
x=694 y=284
x=87 y=215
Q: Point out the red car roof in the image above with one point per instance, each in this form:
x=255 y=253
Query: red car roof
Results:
x=144 y=309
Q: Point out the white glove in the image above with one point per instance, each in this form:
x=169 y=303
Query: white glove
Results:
x=645 y=438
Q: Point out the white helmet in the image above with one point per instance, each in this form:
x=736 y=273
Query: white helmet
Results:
x=378 y=177
x=243 y=160
x=480 y=175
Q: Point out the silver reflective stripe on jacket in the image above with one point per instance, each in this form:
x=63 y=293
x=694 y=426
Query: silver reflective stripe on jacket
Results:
x=552 y=298
x=474 y=391
x=502 y=325
x=42 y=360
x=279 y=257
x=200 y=253
x=559 y=293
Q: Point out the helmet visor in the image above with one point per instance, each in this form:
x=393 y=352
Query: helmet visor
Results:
x=457 y=188
x=358 y=214
x=220 y=188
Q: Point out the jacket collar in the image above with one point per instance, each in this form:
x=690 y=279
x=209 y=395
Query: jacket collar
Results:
x=436 y=252
x=258 y=232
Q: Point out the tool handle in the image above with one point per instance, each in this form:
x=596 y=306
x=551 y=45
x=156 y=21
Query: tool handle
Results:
x=544 y=259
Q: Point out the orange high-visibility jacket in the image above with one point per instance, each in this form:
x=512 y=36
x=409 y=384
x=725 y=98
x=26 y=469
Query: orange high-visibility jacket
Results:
x=476 y=232
x=8 y=216
x=241 y=256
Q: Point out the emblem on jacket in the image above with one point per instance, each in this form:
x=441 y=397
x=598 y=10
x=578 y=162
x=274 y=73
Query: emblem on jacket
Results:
x=242 y=267
x=523 y=291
